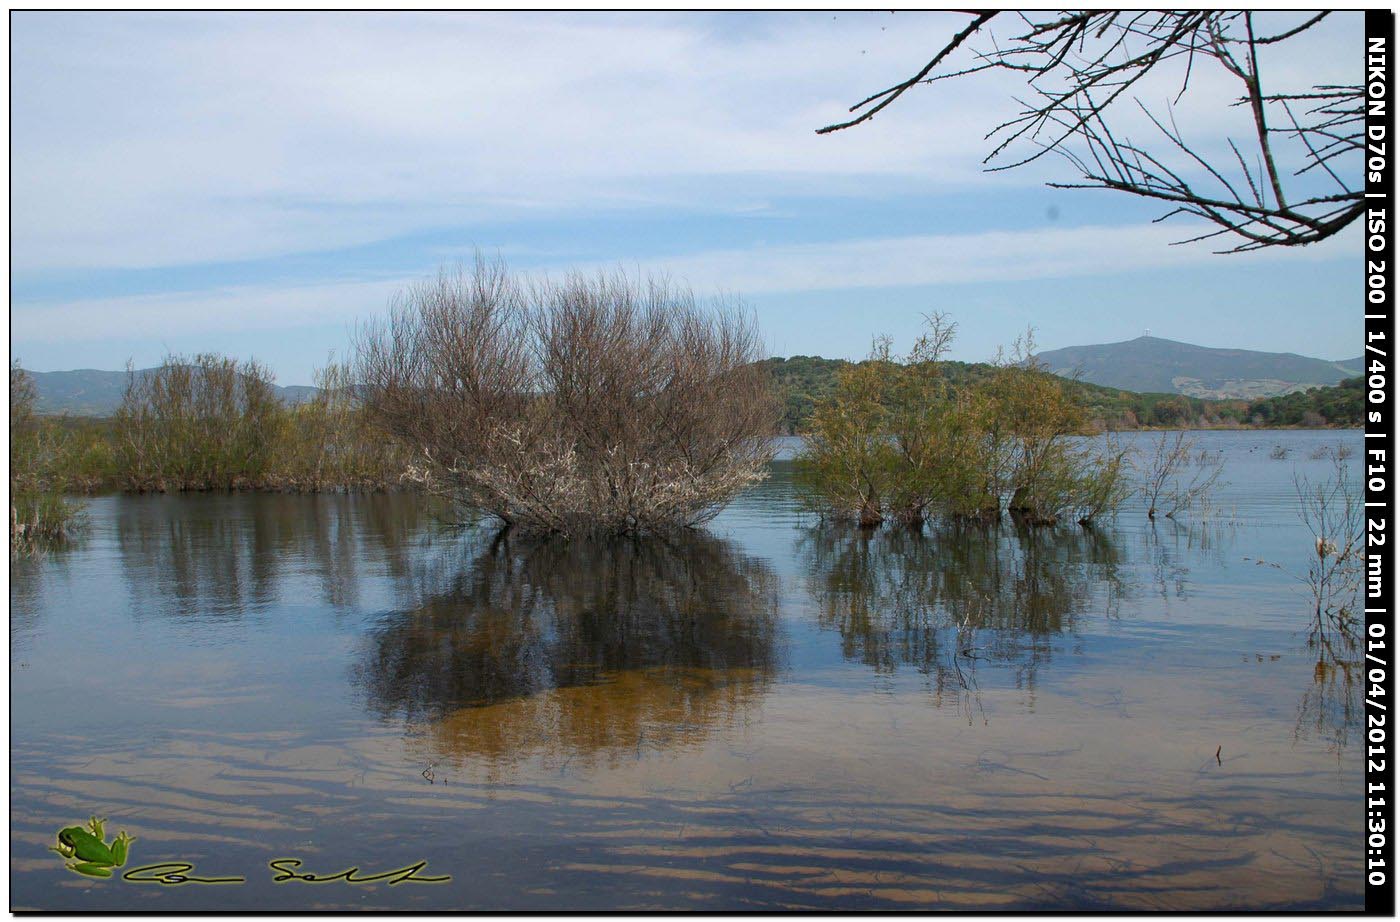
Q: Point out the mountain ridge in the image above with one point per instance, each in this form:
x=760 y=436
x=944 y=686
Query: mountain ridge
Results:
x=1151 y=364
x=95 y=392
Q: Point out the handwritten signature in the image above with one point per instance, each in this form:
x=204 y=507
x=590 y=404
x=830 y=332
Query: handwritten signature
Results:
x=286 y=870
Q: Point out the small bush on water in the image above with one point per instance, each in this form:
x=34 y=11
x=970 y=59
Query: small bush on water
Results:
x=594 y=403
x=40 y=518
x=1333 y=509
x=1049 y=473
x=1170 y=484
x=894 y=441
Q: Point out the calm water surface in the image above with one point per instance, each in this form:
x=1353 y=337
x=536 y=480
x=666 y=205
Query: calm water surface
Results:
x=769 y=714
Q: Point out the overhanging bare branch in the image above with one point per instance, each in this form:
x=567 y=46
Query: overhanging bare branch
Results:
x=1078 y=64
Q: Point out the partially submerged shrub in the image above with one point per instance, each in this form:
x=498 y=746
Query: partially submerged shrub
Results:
x=1334 y=511
x=592 y=403
x=40 y=518
x=897 y=441
x=1171 y=481
x=1049 y=471
x=848 y=462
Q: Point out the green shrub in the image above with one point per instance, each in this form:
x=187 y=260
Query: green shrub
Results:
x=897 y=441
x=206 y=423
x=40 y=519
x=213 y=423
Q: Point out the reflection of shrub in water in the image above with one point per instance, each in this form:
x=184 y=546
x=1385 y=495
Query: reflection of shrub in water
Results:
x=575 y=646
x=942 y=601
x=621 y=717
x=1331 y=707
x=222 y=555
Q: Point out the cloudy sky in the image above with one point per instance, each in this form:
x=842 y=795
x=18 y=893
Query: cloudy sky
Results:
x=255 y=184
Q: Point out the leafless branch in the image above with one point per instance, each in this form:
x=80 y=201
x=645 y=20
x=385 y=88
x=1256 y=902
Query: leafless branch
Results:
x=1078 y=64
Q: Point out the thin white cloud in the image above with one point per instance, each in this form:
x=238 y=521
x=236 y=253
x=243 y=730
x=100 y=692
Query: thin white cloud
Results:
x=245 y=308
x=950 y=259
x=925 y=260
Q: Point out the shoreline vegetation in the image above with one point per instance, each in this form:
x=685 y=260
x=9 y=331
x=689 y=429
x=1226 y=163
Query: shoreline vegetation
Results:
x=200 y=424
x=39 y=515
x=605 y=403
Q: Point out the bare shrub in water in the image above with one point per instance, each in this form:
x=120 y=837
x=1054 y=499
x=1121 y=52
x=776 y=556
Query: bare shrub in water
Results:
x=1334 y=512
x=1171 y=481
x=595 y=403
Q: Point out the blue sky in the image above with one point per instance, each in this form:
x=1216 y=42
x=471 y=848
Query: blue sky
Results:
x=256 y=184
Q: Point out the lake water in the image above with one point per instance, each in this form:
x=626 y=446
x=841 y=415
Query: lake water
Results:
x=770 y=714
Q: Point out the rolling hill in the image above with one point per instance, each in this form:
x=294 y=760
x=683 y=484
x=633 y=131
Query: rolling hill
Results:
x=1151 y=364
x=90 y=392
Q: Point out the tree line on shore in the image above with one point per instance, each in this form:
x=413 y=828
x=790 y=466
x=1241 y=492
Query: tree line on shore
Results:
x=195 y=424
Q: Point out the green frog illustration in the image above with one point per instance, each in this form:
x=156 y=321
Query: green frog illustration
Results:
x=95 y=857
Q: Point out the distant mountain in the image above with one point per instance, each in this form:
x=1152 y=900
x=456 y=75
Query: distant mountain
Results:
x=1356 y=366
x=89 y=392
x=1149 y=364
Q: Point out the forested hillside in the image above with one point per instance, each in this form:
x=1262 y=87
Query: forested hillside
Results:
x=805 y=379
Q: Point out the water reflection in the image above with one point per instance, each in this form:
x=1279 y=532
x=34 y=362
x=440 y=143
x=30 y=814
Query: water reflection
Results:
x=219 y=557
x=1168 y=545
x=943 y=601
x=30 y=579
x=615 y=732
x=1331 y=706
x=518 y=647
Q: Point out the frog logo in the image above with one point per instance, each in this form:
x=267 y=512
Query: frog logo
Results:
x=95 y=858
